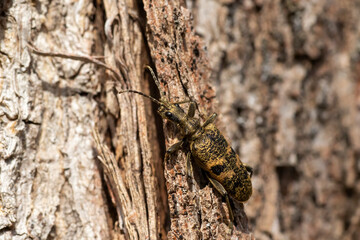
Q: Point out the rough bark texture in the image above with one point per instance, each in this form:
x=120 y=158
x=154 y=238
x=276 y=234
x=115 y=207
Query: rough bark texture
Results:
x=287 y=75
x=182 y=65
x=51 y=186
x=288 y=83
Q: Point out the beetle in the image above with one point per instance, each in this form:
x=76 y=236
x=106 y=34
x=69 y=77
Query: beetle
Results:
x=207 y=147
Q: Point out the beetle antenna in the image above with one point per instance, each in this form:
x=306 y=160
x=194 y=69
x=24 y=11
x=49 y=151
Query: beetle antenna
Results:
x=142 y=94
x=147 y=96
x=155 y=80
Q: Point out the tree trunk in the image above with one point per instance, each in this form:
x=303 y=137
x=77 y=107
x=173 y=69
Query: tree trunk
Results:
x=287 y=80
x=51 y=186
x=287 y=75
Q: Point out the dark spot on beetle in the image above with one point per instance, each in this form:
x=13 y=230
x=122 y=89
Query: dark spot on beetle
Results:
x=218 y=169
x=162 y=60
x=245 y=174
x=238 y=182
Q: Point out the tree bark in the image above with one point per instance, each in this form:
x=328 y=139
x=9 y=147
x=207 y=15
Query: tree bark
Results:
x=51 y=186
x=287 y=80
x=287 y=74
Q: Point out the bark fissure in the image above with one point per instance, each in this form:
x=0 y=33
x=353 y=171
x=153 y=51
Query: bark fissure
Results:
x=287 y=74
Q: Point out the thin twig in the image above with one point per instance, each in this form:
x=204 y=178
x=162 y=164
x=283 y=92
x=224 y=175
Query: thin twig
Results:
x=84 y=58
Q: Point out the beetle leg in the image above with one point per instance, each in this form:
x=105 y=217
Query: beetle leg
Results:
x=181 y=102
x=223 y=193
x=189 y=169
x=191 y=111
x=249 y=169
x=211 y=119
x=192 y=107
x=173 y=148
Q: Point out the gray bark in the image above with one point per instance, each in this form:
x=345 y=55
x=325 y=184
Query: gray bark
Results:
x=50 y=184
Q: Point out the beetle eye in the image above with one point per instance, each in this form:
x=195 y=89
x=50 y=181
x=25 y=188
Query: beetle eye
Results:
x=168 y=114
x=177 y=105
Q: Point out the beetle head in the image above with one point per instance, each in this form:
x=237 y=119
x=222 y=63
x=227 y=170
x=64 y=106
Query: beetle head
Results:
x=172 y=112
x=167 y=110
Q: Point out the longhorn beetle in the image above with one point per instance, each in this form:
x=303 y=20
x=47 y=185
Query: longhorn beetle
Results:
x=208 y=148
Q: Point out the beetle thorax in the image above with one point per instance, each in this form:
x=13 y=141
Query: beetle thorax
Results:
x=190 y=126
